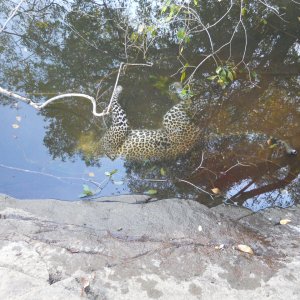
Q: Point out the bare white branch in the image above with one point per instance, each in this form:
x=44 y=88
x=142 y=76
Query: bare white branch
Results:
x=12 y=14
x=117 y=90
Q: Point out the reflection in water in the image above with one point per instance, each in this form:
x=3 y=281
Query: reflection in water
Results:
x=55 y=49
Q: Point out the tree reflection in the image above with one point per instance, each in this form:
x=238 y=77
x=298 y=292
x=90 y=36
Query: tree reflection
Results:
x=57 y=47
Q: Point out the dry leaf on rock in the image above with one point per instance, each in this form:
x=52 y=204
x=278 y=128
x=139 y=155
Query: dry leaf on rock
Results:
x=284 y=221
x=245 y=248
x=216 y=191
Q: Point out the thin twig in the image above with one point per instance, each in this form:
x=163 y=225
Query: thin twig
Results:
x=237 y=164
x=200 y=166
x=196 y=187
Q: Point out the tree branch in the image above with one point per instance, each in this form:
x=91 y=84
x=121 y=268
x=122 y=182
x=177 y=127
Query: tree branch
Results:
x=12 y=14
x=117 y=90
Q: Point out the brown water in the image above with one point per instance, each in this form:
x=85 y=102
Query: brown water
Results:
x=51 y=154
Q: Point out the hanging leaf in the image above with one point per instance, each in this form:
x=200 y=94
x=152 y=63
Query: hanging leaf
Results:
x=230 y=75
x=181 y=33
x=18 y=118
x=183 y=75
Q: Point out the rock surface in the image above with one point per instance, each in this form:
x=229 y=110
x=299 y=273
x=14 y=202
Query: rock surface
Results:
x=129 y=248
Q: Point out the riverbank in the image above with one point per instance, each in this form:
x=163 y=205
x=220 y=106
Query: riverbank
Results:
x=133 y=247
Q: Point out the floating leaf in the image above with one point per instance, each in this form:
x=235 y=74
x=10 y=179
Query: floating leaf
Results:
x=200 y=228
x=91 y=174
x=151 y=192
x=284 y=221
x=216 y=191
x=15 y=126
x=245 y=248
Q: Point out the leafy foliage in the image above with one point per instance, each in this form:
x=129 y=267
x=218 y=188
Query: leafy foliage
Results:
x=224 y=75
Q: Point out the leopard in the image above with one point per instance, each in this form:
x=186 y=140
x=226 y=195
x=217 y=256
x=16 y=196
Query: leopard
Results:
x=177 y=135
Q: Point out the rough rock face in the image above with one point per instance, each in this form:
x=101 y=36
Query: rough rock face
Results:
x=129 y=248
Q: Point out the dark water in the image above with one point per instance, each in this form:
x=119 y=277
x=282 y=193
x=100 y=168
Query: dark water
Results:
x=78 y=47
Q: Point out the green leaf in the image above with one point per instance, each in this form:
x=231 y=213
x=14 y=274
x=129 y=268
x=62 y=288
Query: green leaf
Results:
x=183 y=75
x=134 y=36
x=212 y=77
x=164 y=9
x=244 y=11
x=273 y=146
x=86 y=191
x=187 y=39
x=162 y=172
x=218 y=70
x=181 y=33
x=234 y=74
x=111 y=173
x=151 y=192
x=264 y=21
x=230 y=75
x=223 y=74
x=196 y=2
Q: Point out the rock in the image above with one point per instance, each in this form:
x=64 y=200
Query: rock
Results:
x=52 y=249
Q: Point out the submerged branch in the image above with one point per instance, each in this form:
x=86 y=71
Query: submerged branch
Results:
x=117 y=90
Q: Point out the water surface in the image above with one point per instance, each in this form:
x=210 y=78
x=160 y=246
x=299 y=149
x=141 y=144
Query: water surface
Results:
x=78 y=48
